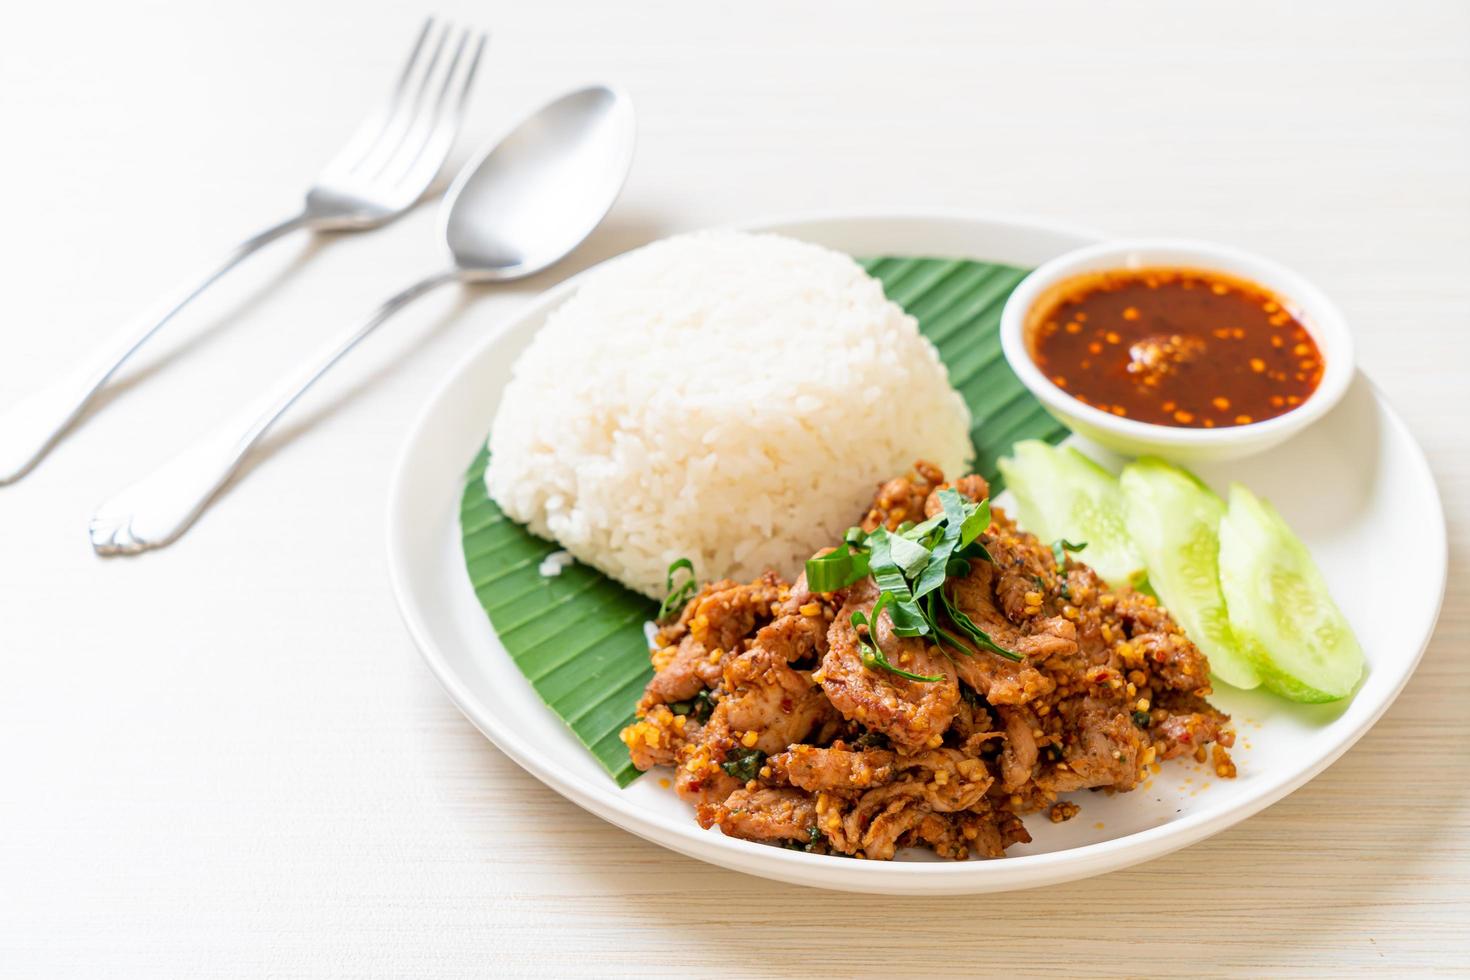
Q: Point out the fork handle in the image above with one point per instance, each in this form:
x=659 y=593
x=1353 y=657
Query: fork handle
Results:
x=162 y=506
x=29 y=428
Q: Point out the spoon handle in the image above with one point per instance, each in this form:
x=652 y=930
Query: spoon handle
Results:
x=29 y=428
x=159 y=508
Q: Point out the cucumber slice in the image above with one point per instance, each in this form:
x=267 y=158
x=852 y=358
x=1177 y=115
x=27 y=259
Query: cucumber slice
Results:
x=1283 y=616
x=1174 y=520
x=1060 y=493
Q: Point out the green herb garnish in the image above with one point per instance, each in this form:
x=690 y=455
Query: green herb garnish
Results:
x=675 y=598
x=910 y=557
x=910 y=566
x=873 y=656
x=1059 y=549
x=744 y=764
x=699 y=707
x=1142 y=719
x=814 y=839
x=977 y=635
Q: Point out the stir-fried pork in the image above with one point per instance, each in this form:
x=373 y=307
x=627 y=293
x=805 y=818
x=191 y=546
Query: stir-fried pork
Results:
x=779 y=732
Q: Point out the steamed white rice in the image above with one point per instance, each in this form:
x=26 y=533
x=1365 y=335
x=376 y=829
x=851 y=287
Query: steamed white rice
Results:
x=726 y=397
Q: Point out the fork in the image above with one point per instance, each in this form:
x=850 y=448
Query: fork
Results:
x=382 y=171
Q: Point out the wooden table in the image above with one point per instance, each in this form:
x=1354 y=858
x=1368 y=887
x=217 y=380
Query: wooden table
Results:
x=227 y=759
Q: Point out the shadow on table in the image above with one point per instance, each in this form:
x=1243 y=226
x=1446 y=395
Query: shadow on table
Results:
x=618 y=234
x=1328 y=876
x=154 y=362
x=1309 y=877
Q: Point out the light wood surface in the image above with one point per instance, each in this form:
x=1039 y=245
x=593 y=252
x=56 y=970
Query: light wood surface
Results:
x=226 y=759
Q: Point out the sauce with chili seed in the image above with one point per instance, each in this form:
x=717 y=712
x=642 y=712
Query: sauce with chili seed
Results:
x=1178 y=347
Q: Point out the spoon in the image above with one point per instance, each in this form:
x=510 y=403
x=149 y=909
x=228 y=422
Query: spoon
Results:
x=382 y=172
x=519 y=207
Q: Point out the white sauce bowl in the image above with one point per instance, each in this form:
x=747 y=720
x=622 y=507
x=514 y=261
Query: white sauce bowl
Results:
x=1299 y=297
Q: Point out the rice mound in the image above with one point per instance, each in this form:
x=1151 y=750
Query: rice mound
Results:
x=727 y=397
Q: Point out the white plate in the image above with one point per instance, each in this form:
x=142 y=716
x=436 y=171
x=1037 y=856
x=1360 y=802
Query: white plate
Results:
x=1355 y=486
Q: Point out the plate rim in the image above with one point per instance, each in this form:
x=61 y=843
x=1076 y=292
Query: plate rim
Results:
x=966 y=877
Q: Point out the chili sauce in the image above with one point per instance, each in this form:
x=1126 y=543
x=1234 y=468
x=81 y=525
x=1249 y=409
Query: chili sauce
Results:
x=1180 y=347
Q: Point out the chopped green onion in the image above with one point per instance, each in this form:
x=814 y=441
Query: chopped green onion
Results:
x=684 y=563
x=836 y=570
x=675 y=599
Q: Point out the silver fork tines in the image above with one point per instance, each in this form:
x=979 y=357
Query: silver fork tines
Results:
x=399 y=148
x=387 y=164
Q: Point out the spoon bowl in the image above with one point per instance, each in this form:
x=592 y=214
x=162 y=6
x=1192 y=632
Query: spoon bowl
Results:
x=535 y=194
x=517 y=208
